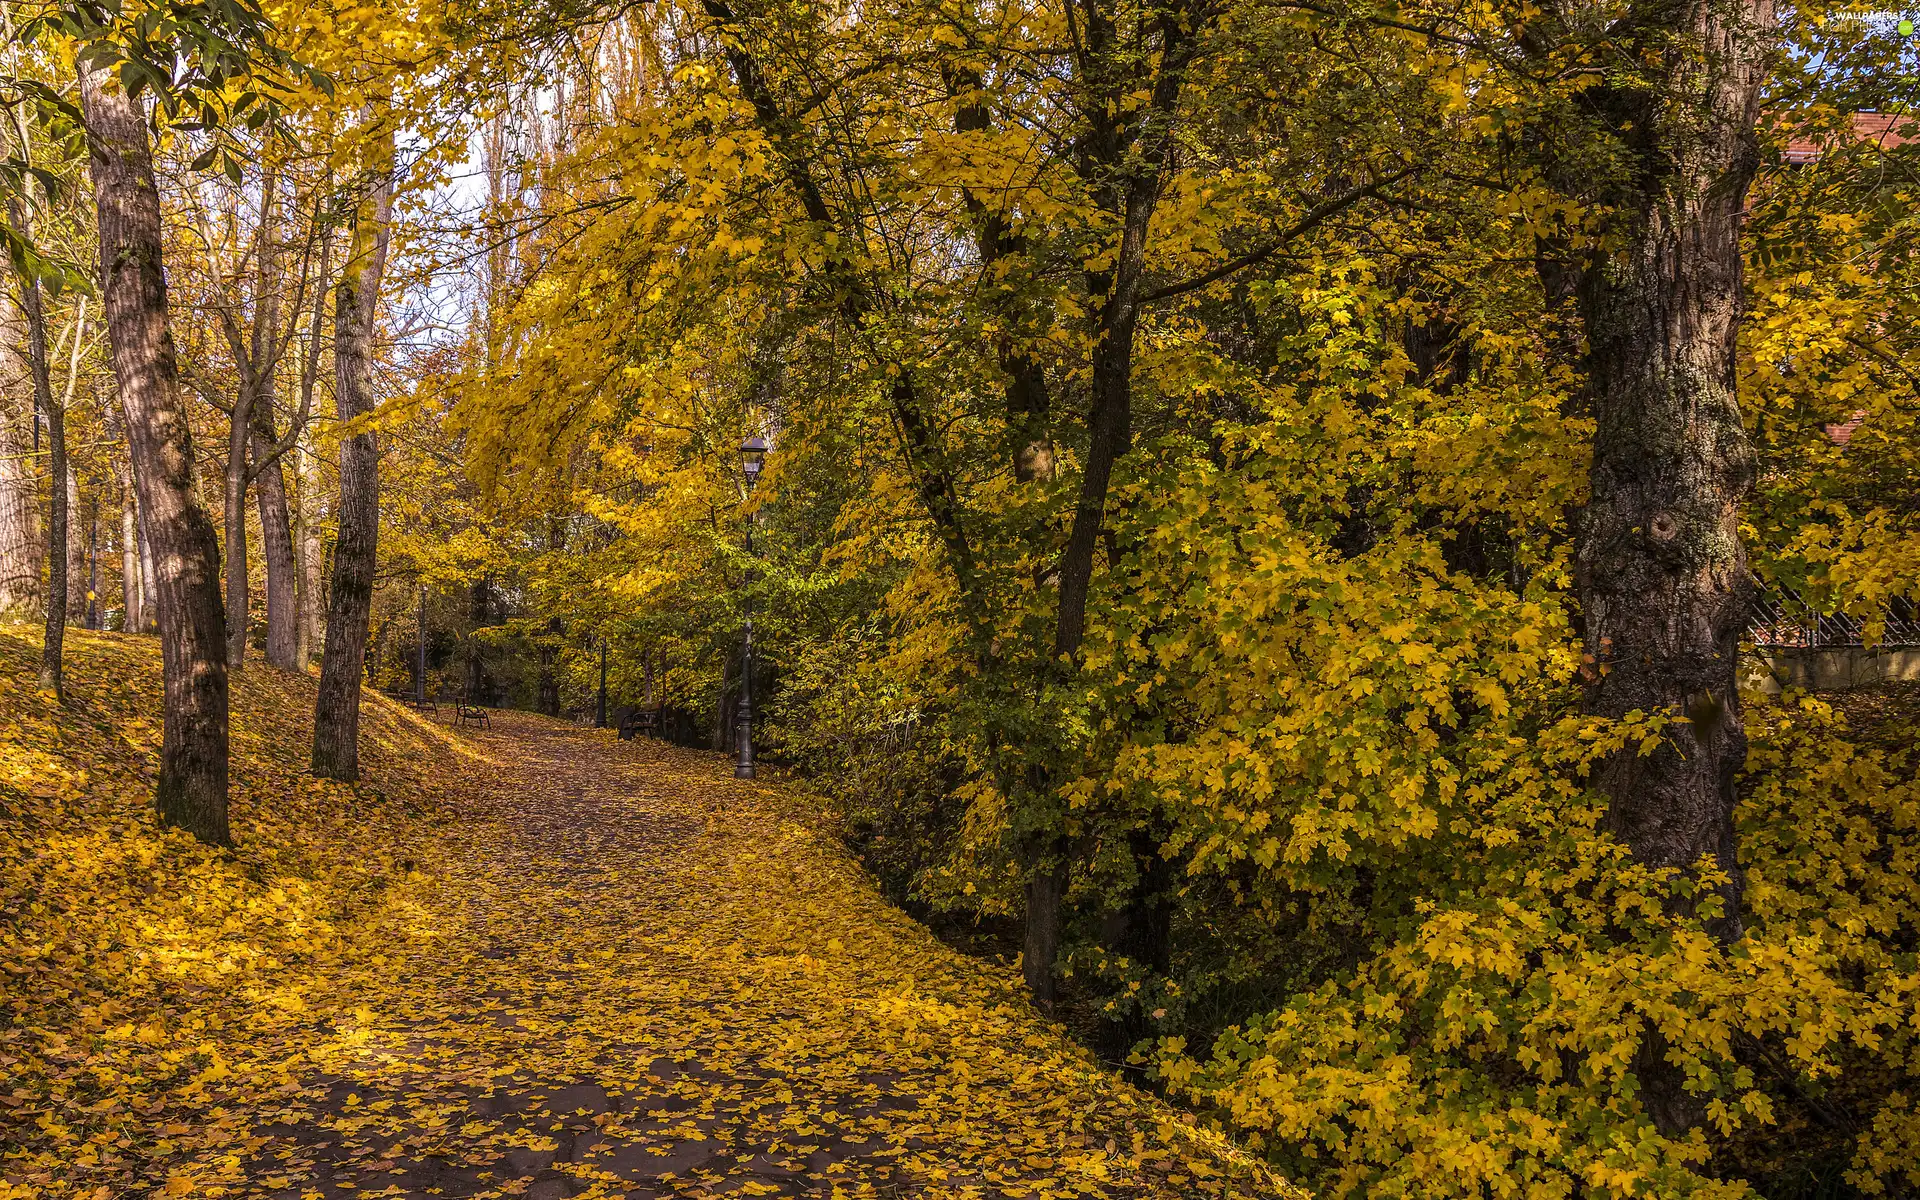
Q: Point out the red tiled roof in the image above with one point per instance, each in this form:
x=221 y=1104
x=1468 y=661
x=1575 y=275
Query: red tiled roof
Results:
x=1886 y=129
x=1842 y=433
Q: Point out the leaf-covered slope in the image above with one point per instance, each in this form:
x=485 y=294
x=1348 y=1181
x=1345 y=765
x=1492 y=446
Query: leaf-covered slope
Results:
x=148 y=982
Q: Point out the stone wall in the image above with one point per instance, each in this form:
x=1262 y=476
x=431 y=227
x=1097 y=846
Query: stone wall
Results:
x=1832 y=669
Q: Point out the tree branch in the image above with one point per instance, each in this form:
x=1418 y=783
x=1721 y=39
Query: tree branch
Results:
x=1314 y=219
x=932 y=479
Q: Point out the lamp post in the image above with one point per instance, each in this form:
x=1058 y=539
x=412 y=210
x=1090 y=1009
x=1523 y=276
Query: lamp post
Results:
x=420 y=659
x=600 y=710
x=753 y=456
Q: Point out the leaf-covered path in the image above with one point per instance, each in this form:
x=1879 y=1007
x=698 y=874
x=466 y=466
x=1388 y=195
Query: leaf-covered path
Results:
x=636 y=978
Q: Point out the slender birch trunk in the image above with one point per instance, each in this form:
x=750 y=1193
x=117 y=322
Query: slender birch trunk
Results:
x=19 y=491
x=93 y=615
x=234 y=514
x=78 y=594
x=308 y=630
x=149 y=578
x=132 y=597
x=59 y=552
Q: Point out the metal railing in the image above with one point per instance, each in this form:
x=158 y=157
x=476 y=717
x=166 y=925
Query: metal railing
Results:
x=1780 y=619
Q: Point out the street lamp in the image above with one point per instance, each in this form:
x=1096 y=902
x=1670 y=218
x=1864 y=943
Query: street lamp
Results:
x=420 y=661
x=753 y=456
x=600 y=710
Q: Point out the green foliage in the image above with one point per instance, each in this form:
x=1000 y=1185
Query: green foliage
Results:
x=848 y=720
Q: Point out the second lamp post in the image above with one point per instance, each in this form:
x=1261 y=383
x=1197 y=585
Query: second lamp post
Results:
x=753 y=456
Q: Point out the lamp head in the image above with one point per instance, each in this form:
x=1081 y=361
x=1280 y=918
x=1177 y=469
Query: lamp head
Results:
x=753 y=455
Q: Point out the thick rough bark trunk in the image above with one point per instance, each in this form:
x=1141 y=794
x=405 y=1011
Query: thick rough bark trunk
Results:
x=192 y=791
x=1663 y=579
x=1040 y=950
x=336 y=712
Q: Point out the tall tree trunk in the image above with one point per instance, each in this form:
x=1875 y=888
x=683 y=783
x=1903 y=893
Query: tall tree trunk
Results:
x=307 y=626
x=1134 y=157
x=479 y=615
x=1663 y=580
x=306 y=535
x=19 y=499
x=336 y=712
x=149 y=577
x=93 y=561
x=276 y=546
x=78 y=596
x=262 y=462
x=134 y=618
x=1040 y=946
x=234 y=505
x=550 y=682
x=59 y=550
x=192 y=791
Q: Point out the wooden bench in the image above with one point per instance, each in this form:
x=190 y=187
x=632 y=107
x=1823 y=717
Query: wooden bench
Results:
x=405 y=696
x=474 y=714
x=639 y=720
